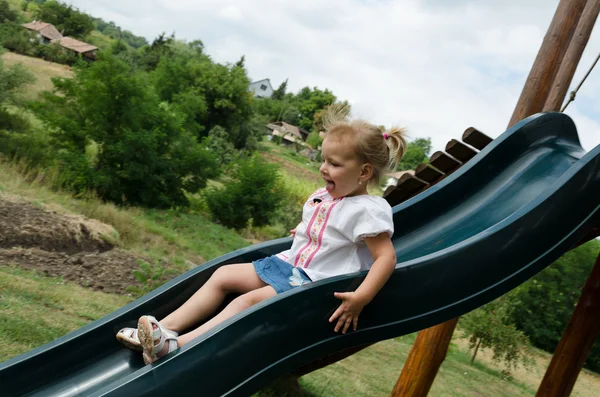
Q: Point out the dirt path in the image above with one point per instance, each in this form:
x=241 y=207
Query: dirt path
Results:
x=62 y=245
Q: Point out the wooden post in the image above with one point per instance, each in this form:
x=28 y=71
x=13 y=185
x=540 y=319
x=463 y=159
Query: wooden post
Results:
x=429 y=354
x=548 y=60
x=424 y=360
x=573 y=55
x=576 y=343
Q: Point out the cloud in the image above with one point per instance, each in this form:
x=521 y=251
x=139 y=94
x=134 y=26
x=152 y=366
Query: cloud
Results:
x=434 y=66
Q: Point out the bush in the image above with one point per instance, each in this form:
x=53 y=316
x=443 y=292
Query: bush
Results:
x=6 y=13
x=314 y=140
x=55 y=53
x=16 y=38
x=220 y=145
x=253 y=193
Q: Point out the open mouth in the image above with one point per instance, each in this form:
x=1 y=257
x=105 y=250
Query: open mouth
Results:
x=329 y=185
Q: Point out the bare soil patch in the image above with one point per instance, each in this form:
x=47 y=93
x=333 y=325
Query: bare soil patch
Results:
x=69 y=246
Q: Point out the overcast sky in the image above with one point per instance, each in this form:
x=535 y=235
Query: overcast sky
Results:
x=433 y=66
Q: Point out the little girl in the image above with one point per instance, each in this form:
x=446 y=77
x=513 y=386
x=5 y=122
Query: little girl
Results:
x=343 y=230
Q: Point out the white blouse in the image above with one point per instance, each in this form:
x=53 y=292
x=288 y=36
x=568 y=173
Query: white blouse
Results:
x=330 y=239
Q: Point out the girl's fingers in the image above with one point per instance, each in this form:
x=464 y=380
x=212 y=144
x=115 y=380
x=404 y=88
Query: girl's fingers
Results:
x=347 y=325
x=355 y=323
x=339 y=324
x=336 y=314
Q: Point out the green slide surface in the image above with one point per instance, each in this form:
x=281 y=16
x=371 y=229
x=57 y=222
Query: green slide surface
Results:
x=523 y=201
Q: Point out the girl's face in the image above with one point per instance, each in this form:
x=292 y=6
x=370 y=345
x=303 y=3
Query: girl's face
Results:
x=342 y=170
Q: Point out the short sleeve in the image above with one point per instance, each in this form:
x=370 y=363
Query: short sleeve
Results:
x=368 y=218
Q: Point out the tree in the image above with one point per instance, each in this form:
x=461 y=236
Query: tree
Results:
x=314 y=140
x=544 y=305
x=6 y=13
x=144 y=157
x=279 y=93
x=490 y=327
x=416 y=153
x=311 y=101
x=67 y=19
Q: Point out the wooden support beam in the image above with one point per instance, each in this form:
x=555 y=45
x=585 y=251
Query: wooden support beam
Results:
x=573 y=55
x=532 y=100
x=548 y=60
x=424 y=360
x=576 y=343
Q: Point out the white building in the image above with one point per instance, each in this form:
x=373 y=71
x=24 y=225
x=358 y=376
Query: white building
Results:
x=261 y=88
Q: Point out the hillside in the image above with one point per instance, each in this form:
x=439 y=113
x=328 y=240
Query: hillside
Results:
x=42 y=70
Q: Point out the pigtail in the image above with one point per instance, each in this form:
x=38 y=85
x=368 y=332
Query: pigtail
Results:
x=395 y=139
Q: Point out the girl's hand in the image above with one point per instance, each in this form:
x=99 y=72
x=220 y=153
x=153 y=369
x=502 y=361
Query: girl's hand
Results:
x=347 y=313
x=293 y=232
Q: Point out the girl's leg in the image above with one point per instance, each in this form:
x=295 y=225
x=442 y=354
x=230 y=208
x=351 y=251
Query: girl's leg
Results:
x=239 y=278
x=239 y=304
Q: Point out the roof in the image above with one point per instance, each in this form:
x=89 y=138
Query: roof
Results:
x=75 y=45
x=260 y=81
x=47 y=30
x=292 y=129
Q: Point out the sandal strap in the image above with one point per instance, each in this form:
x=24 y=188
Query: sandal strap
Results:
x=160 y=329
x=161 y=334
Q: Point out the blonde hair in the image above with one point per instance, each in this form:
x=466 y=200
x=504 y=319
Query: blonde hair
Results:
x=381 y=148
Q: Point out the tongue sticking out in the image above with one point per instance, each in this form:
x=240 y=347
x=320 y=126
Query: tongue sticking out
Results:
x=330 y=185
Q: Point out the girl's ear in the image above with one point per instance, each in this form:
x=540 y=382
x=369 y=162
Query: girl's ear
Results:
x=366 y=172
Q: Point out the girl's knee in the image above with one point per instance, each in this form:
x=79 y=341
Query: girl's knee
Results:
x=221 y=276
x=244 y=301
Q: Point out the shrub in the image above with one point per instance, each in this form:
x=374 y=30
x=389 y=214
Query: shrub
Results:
x=220 y=145
x=253 y=193
x=16 y=38
x=314 y=140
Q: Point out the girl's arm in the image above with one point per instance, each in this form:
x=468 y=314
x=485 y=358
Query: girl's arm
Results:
x=383 y=252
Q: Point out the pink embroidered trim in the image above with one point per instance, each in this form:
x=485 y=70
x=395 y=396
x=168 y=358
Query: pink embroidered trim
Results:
x=315 y=233
x=316 y=193
x=320 y=239
x=282 y=256
x=309 y=234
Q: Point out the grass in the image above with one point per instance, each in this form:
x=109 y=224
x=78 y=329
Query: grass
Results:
x=43 y=71
x=35 y=310
x=176 y=235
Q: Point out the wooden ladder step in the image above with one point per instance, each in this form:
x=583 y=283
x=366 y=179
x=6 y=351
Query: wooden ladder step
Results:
x=476 y=138
x=444 y=162
x=427 y=173
x=460 y=151
x=407 y=186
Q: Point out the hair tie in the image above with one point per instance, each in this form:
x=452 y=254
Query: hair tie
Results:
x=385 y=135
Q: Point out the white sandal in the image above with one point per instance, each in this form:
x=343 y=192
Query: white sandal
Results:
x=148 y=336
x=129 y=337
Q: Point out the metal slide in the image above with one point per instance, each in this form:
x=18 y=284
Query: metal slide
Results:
x=528 y=197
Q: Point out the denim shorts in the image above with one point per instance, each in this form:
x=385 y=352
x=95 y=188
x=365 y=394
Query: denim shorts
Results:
x=279 y=274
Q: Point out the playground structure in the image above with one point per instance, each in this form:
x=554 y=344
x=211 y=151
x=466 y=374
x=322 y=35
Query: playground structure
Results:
x=524 y=198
